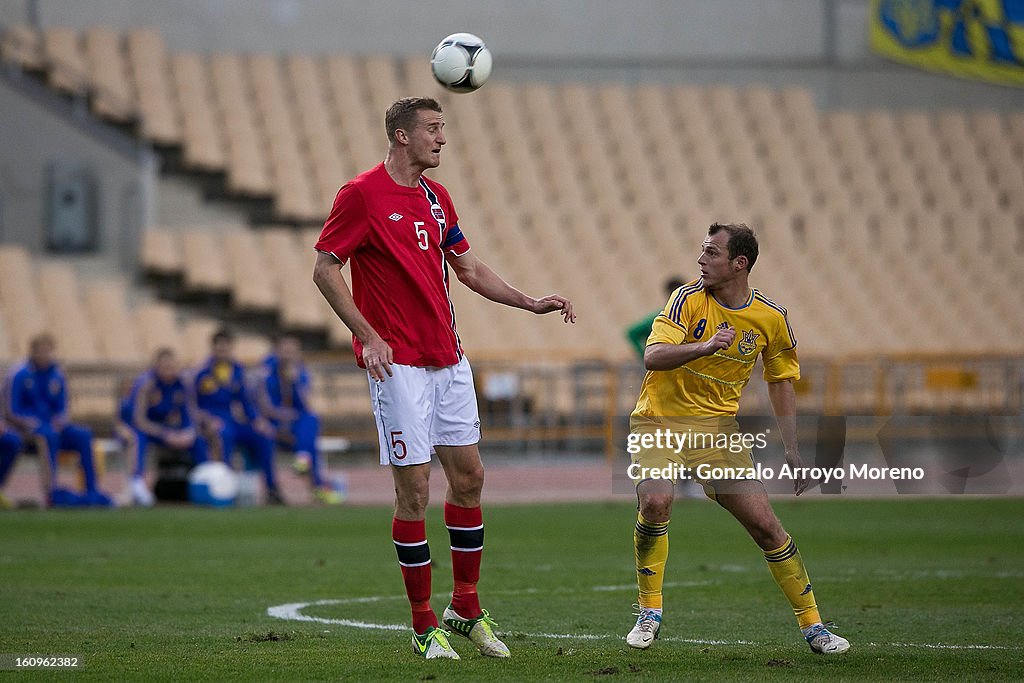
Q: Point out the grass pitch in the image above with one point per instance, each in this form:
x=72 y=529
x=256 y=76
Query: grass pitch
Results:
x=922 y=588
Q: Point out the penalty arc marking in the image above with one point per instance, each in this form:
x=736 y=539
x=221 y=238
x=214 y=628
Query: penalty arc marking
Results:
x=294 y=612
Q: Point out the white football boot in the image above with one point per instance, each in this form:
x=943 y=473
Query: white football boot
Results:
x=645 y=632
x=824 y=642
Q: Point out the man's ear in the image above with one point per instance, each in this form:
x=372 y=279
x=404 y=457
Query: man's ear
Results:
x=741 y=263
x=401 y=136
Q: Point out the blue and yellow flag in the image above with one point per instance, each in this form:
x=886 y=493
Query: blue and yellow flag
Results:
x=981 y=39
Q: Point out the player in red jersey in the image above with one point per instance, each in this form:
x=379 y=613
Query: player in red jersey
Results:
x=401 y=232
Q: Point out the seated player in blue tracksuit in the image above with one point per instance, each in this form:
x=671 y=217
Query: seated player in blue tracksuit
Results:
x=10 y=446
x=227 y=413
x=284 y=400
x=37 y=406
x=159 y=413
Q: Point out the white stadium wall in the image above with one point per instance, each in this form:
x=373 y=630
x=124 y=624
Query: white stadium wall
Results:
x=36 y=139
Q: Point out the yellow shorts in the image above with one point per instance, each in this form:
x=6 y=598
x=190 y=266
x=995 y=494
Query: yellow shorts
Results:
x=704 y=449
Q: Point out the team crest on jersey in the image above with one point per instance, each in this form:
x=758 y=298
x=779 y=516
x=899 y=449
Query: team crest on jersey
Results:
x=207 y=385
x=438 y=213
x=749 y=342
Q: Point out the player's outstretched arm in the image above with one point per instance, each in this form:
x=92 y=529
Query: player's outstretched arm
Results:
x=783 y=398
x=479 y=277
x=671 y=356
x=377 y=353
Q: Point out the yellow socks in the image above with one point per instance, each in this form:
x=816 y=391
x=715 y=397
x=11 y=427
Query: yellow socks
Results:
x=789 y=572
x=650 y=545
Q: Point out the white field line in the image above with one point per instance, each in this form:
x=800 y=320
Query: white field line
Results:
x=294 y=612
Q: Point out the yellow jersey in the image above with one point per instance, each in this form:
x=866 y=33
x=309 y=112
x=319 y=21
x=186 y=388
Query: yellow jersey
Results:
x=711 y=385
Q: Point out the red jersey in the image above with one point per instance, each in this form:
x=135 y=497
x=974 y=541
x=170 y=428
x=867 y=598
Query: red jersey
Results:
x=397 y=238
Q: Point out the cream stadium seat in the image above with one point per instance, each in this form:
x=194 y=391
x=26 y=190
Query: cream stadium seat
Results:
x=988 y=128
x=60 y=291
x=251 y=349
x=289 y=163
x=113 y=96
x=160 y=252
x=157 y=327
x=116 y=333
x=799 y=107
x=65 y=61
x=380 y=74
x=196 y=334
x=301 y=304
x=253 y=287
x=318 y=134
x=248 y=166
x=953 y=128
x=150 y=71
x=204 y=141
x=23 y=46
x=420 y=80
x=19 y=297
x=7 y=350
x=205 y=267
x=349 y=107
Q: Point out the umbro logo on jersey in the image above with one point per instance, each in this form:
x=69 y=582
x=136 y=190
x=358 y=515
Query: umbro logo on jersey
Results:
x=395 y=216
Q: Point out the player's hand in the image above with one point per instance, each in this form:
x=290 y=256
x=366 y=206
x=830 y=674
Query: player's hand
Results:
x=796 y=464
x=263 y=426
x=722 y=340
x=554 y=302
x=180 y=438
x=378 y=357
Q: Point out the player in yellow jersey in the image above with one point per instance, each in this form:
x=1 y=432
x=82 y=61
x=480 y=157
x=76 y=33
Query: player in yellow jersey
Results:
x=699 y=357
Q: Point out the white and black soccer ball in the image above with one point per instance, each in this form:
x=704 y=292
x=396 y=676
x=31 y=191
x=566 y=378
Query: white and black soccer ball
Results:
x=461 y=62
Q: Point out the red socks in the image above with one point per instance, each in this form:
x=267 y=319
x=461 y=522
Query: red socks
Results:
x=466 y=532
x=410 y=539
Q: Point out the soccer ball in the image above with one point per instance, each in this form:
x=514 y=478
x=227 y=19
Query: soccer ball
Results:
x=461 y=62
x=212 y=483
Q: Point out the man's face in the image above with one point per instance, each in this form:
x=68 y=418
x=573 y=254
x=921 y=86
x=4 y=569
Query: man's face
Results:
x=222 y=350
x=715 y=265
x=42 y=354
x=426 y=137
x=288 y=350
x=167 y=368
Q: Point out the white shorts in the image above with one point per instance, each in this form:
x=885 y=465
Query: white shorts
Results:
x=419 y=408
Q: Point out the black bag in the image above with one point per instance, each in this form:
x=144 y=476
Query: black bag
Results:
x=173 y=467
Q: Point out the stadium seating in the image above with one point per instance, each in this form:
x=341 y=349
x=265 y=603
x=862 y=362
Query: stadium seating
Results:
x=204 y=148
x=66 y=65
x=113 y=96
x=151 y=80
x=92 y=318
x=599 y=191
x=23 y=46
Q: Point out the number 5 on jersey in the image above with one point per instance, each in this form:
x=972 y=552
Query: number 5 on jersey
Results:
x=398 y=445
x=422 y=235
